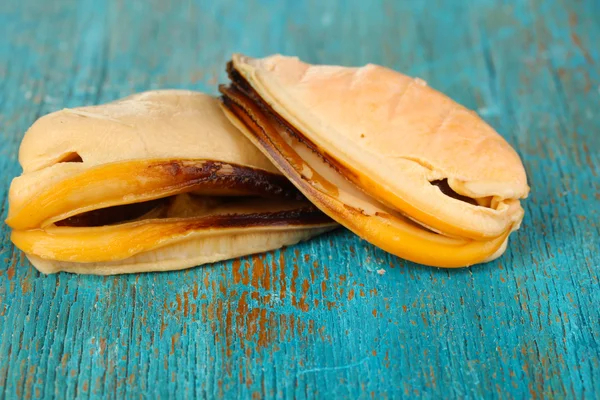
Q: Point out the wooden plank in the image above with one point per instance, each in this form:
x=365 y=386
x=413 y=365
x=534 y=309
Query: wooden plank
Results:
x=316 y=319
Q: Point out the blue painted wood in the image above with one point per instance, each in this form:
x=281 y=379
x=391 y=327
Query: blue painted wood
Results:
x=317 y=320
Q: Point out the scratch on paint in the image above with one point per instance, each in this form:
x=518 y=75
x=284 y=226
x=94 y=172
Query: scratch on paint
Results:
x=325 y=369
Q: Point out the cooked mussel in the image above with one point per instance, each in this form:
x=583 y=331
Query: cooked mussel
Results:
x=395 y=161
x=155 y=181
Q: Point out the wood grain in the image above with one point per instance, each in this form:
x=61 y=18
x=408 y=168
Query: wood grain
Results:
x=317 y=320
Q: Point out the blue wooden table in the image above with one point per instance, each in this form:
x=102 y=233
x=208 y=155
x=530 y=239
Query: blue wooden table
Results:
x=317 y=319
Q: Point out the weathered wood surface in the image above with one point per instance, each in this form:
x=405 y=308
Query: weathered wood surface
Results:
x=317 y=320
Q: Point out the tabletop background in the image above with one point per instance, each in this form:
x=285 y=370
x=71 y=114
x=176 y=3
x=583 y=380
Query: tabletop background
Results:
x=316 y=319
